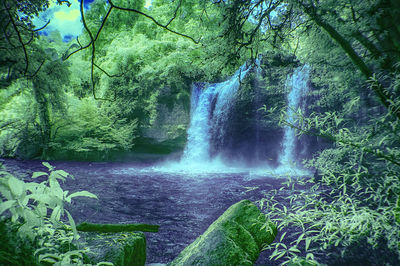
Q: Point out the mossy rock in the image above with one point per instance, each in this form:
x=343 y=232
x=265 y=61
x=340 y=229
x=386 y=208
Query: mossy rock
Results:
x=235 y=238
x=119 y=248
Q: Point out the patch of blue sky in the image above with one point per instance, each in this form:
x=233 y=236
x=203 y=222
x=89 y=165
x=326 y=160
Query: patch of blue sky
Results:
x=65 y=19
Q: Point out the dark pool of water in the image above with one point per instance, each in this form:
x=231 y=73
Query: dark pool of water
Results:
x=184 y=205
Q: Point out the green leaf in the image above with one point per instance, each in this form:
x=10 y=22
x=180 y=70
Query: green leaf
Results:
x=49 y=258
x=104 y=263
x=310 y=256
x=308 y=242
x=31 y=218
x=54 y=175
x=81 y=194
x=282 y=236
x=37 y=174
x=55 y=188
x=51 y=168
x=6 y=205
x=17 y=186
x=41 y=209
x=61 y=173
x=43 y=198
x=294 y=249
x=5 y=191
x=31 y=186
x=25 y=230
x=73 y=225
x=56 y=214
x=274 y=254
x=39 y=250
x=280 y=255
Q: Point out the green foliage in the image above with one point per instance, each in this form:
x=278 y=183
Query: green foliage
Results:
x=353 y=197
x=326 y=218
x=88 y=127
x=142 y=69
x=37 y=210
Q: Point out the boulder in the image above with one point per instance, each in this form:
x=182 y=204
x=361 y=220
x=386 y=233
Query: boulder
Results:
x=235 y=238
x=119 y=248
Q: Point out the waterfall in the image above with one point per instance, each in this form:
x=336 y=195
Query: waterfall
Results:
x=210 y=106
x=298 y=88
x=218 y=127
x=198 y=144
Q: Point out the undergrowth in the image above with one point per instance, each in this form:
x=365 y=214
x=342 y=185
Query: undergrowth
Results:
x=37 y=228
x=349 y=212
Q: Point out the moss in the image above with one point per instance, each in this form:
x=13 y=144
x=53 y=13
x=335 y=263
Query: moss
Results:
x=115 y=228
x=118 y=248
x=235 y=238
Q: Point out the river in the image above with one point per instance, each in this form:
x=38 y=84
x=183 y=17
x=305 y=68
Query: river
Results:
x=183 y=204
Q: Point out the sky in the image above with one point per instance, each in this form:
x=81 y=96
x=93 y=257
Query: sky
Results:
x=67 y=20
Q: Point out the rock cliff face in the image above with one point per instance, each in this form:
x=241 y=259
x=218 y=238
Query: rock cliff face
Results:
x=251 y=136
x=167 y=134
x=252 y=131
x=170 y=123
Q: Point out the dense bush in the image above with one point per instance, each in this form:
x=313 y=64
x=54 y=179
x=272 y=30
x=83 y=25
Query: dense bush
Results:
x=33 y=217
x=347 y=211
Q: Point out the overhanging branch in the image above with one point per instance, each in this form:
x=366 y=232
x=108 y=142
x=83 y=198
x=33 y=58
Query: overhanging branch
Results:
x=93 y=39
x=154 y=20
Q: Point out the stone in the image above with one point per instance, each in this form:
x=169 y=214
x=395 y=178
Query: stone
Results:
x=119 y=248
x=235 y=238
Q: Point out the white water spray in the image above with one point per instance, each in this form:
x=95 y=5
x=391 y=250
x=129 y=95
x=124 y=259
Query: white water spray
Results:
x=298 y=88
x=209 y=107
x=198 y=143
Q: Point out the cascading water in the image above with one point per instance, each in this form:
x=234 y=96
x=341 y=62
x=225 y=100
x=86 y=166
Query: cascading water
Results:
x=298 y=88
x=215 y=125
x=209 y=110
x=198 y=145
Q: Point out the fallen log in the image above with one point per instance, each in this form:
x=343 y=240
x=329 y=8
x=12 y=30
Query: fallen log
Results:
x=115 y=228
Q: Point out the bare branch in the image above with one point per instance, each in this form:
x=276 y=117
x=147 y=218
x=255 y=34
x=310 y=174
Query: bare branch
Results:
x=93 y=39
x=154 y=20
x=60 y=2
x=92 y=43
x=102 y=23
x=6 y=124
x=7 y=36
x=19 y=39
x=176 y=11
x=107 y=74
x=41 y=28
x=38 y=69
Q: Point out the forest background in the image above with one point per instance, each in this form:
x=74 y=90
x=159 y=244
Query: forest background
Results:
x=101 y=93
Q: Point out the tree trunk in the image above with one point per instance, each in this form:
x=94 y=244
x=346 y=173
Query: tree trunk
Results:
x=44 y=118
x=352 y=54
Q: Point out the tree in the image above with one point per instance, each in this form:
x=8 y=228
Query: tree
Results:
x=18 y=34
x=366 y=32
